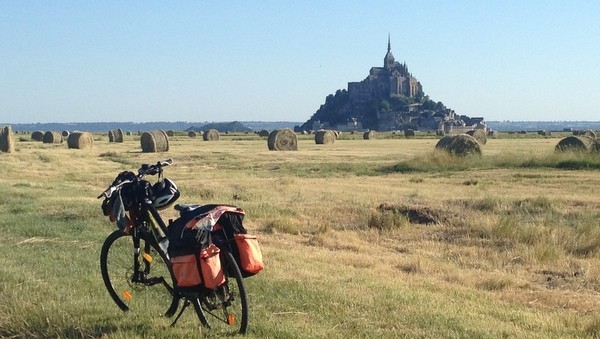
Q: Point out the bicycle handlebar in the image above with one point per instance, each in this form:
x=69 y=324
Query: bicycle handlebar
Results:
x=145 y=169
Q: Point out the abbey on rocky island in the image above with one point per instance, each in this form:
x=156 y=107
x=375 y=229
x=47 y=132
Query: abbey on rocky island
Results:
x=389 y=98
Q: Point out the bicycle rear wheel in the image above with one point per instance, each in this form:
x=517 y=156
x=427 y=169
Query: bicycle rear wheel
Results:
x=226 y=307
x=151 y=288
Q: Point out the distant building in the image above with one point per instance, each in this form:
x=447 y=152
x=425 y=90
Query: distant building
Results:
x=393 y=79
x=388 y=99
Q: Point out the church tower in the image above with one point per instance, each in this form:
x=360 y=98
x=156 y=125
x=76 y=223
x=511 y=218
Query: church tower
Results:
x=389 y=61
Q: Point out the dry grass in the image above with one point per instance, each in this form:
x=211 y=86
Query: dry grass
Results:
x=506 y=251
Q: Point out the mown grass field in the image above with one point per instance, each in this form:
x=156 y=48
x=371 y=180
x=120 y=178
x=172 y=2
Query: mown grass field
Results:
x=361 y=238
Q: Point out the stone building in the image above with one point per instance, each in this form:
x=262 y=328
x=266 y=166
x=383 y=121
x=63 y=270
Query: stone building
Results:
x=393 y=79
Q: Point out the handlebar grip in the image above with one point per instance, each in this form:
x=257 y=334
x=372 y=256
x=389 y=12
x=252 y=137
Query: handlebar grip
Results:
x=166 y=162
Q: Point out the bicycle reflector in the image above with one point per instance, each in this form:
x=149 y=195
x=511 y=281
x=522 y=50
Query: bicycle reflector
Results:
x=230 y=319
x=127 y=295
x=147 y=257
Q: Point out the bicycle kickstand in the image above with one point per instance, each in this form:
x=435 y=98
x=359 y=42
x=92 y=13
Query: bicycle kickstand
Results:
x=200 y=312
x=185 y=305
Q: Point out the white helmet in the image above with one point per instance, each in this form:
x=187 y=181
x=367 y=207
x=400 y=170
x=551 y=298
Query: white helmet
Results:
x=165 y=193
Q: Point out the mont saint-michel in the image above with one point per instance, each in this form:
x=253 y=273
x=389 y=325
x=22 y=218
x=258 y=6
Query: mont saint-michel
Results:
x=389 y=98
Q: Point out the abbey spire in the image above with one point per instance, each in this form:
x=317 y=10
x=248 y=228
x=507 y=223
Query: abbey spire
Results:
x=389 y=61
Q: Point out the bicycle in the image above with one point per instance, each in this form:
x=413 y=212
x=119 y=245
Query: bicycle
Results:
x=135 y=264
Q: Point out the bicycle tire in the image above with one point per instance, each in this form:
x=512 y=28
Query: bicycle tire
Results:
x=233 y=288
x=116 y=266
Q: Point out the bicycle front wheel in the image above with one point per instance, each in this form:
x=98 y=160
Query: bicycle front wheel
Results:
x=150 y=288
x=226 y=306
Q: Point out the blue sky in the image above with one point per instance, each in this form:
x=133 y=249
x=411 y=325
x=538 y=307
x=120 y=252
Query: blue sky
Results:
x=88 y=61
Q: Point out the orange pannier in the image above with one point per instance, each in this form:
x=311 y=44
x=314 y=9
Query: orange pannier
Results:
x=185 y=268
x=251 y=259
x=210 y=265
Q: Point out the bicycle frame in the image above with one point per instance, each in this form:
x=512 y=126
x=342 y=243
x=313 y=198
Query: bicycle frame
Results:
x=147 y=229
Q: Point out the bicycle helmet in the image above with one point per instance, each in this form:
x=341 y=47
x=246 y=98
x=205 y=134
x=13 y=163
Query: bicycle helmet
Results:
x=165 y=193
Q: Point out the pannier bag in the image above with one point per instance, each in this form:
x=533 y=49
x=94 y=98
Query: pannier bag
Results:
x=210 y=266
x=250 y=256
x=185 y=268
x=201 y=268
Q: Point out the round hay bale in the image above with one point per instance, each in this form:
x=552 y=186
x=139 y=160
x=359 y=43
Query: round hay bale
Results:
x=324 y=136
x=370 y=135
x=211 y=135
x=52 y=137
x=170 y=133
x=65 y=134
x=580 y=143
x=588 y=133
x=37 y=136
x=115 y=135
x=479 y=135
x=443 y=143
x=192 y=134
x=263 y=133
x=304 y=132
x=128 y=133
x=7 y=139
x=409 y=133
x=80 y=140
x=283 y=139
x=459 y=145
x=154 y=141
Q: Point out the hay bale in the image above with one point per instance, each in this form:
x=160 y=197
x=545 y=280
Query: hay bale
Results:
x=170 y=133
x=115 y=135
x=192 y=134
x=52 y=137
x=65 y=133
x=7 y=139
x=479 y=135
x=154 y=141
x=588 y=133
x=443 y=143
x=370 y=135
x=324 y=136
x=211 y=135
x=409 y=133
x=580 y=143
x=80 y=140
x=459 y=145
x=283 y=139
x=37 y=136
x=263 y=133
